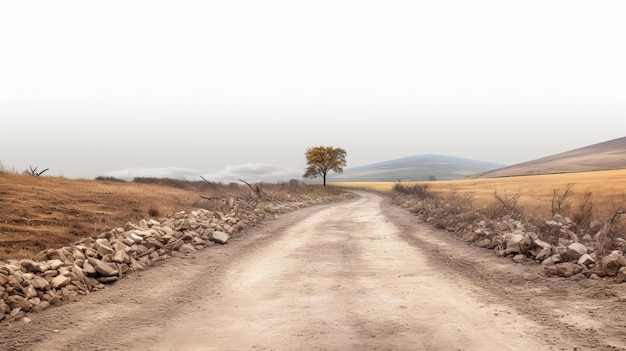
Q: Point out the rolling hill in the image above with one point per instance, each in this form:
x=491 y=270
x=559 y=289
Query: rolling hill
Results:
x=413 y=168
x=608 y=155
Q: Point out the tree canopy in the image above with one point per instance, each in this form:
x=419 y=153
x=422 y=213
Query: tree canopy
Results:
x=323 y=159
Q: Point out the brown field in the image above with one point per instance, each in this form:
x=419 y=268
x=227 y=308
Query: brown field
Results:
x=608 y=189
x=38 y=213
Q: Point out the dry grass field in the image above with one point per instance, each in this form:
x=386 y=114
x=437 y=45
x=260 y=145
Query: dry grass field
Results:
x=608 y=189
x=37 y=213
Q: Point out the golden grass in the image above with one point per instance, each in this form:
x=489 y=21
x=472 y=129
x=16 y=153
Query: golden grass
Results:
x=42 y=212
x=383 y=187
x=38 y=213
x=607 y=187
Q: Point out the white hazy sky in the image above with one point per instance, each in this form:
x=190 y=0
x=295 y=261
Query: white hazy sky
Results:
x=230 y=88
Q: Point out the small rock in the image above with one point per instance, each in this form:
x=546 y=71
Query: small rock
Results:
x=198 y=241
x=16 y=301
x=187 y=249
x=55 y=264
x=151 y=242
x=473 y=236
x=104 y=247
x=484 y=243
x=543 y=254
x=4 y=308
x=220 y=237
x=519 y=258
x=586 y=260
x=121 y=257
x=552 y=260
x=143 y=224
x=566 y=269
x=594 y=225
x=33 y=266
x=103 y=268
x=612 y=263
x=135 y=238
x=88 y=268
x=573 y=252
x=542 y=244
x=621 y=276
x=29 y=291
x=107 y=280
x=60 y=281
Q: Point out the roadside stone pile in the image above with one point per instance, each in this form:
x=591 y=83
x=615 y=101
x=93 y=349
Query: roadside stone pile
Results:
x=554 y=244
x=59 y=275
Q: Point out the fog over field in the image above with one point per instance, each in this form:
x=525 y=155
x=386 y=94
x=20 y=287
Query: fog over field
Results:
x=240 y=89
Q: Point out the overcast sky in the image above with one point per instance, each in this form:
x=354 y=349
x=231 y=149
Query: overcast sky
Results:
x=234 y=88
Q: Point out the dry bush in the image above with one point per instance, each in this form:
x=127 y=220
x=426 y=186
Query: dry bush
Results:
x=418 y=189
x=612 y=230
x=5 y=169
x=584 y=211
x=504 y=204
x=462 y=203
x=560 y=198
x=110 y=179
x=154 y=212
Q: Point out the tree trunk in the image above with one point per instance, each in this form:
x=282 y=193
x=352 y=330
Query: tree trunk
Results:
x=324 y=176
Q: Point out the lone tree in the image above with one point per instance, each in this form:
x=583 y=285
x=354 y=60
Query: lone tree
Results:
x=322 y=159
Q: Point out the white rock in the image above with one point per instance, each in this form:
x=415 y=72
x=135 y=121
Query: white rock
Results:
x=55 y=264
x=187 y=249
x=586 y=260
x=220 y=237
x=578 y=247
x=59 y=281
x=135 y=238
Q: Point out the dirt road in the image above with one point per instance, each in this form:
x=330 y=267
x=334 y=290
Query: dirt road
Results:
x=357 y=275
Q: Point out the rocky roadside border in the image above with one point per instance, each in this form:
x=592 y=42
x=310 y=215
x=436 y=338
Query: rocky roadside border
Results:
x=60 y=275
x=558 y=244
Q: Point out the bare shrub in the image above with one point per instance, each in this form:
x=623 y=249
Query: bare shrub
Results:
x=154 y=212
x=605 y=239
x=5 y=169
x=174 y=183
x=559 y=199
x=419 y=190
x=461 y=203
x=110 y=179
x=583 y=214
x=33 y=171
x=402 y=188
x=504 y=204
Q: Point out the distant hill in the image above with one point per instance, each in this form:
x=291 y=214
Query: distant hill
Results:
x=413 y=168
x=608 y=155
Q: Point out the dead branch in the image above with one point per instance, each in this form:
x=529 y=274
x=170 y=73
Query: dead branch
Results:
x=257 y=190
x=34 y=173
x=508 y=204
x=616 y=216
x=206 y=181
x=560 y=197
